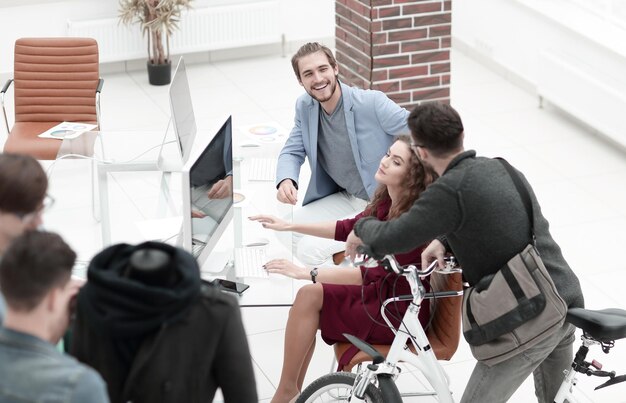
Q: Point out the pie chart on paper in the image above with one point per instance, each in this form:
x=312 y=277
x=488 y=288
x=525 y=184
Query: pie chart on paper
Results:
x=62 y=133
x=262 y=130
x=238 y=197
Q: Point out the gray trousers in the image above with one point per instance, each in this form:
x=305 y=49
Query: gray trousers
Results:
x=546 y=361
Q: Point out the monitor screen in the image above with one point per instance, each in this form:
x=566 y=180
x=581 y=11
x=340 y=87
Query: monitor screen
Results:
x=182 y=110
x=207 y=215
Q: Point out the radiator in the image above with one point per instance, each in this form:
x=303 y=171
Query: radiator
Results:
x=201 y=29
x=584 y=90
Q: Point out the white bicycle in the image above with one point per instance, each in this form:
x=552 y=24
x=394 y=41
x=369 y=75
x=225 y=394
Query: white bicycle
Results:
x=376 y=382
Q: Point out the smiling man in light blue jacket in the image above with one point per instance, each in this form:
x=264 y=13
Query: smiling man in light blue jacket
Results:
x=344 y=132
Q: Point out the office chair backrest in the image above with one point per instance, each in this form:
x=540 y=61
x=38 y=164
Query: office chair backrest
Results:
x=444 y=332
x=55 y=79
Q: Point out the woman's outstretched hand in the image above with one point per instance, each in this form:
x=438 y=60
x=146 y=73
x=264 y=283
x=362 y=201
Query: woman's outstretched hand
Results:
x=271 y=222
x=286 y=268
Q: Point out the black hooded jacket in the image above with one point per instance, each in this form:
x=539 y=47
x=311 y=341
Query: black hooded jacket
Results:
x=171 y=343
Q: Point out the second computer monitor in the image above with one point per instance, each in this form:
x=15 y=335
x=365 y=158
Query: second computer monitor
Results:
x=183 y=120
x=205 y=215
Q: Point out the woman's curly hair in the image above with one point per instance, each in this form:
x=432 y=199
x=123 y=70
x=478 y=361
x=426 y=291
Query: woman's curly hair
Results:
x=417 y=178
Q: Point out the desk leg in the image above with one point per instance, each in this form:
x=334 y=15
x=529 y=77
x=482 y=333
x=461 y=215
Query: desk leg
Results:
x=95 y=202
x=165 y=199
x=238 y=226
x=105 y=219
x=238 y=211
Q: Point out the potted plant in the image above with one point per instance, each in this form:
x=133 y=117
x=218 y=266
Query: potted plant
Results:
x=158 y=19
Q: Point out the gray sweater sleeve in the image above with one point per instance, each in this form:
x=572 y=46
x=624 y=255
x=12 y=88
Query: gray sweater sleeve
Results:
x=90 y=388
x=437 y=212
x=2 y=309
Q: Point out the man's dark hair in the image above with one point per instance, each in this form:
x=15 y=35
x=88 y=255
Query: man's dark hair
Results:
x=310 y=48
x=23 y=184
x=436 y=127
x=34 y=263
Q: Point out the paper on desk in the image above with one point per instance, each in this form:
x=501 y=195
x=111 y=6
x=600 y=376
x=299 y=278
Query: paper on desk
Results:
x=67 y=130
x=161 y=229
x=267 y=132
x=240 y=198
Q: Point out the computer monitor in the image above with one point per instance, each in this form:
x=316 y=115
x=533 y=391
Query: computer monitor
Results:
x=183 y=120
x=205 y=219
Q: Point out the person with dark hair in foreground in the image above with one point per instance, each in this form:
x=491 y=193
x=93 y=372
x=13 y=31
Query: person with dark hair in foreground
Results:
x=35 y=280
x=477 y=213
x=157 y=334
x=23 y=186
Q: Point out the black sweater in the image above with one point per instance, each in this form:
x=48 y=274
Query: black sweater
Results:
x=475 y=205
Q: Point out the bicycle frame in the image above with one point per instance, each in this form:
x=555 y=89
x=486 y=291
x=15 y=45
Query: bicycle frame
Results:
x=424 y=360
x=409 y=329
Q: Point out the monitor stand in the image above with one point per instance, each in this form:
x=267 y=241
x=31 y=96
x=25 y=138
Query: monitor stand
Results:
x=170 y=155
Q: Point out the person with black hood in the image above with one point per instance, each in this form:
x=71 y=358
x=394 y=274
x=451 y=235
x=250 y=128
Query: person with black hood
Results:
x=155 y=333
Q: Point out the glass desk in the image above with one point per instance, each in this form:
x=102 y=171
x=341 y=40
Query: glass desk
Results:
x=114 y=152
x=259 y=197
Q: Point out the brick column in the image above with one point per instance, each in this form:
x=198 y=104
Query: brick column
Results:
x=400 y=47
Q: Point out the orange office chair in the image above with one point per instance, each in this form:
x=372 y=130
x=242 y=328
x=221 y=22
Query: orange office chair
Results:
x=56 y=80
x=444 y=332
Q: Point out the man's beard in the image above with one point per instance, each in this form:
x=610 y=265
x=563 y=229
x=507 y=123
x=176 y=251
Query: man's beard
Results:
x=333 y=88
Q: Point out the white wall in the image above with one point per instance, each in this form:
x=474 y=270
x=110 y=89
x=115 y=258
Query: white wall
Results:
x=47 y=18
x=512 y=33
x=308 y=19
x=516 y=36
x=301 y=19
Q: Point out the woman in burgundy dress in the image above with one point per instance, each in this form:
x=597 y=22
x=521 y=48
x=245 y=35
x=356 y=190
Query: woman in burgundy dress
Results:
x=347 y=300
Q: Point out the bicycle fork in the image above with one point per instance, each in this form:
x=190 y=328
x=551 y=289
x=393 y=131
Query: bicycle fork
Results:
x=378 y=370
x=386 y=384
x=363 y=379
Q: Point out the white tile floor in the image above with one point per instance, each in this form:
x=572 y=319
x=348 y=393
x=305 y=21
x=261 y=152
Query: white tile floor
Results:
x=579 y=179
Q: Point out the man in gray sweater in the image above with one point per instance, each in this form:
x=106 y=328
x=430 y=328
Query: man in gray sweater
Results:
x=474 y=211
x=35 y=278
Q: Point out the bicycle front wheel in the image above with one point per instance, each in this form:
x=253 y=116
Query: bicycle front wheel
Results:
x=336 y=387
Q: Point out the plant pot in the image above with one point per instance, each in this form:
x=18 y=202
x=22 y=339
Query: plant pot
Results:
x=160 y=74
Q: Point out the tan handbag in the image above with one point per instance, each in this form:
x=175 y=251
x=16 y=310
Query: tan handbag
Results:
x=515 y=308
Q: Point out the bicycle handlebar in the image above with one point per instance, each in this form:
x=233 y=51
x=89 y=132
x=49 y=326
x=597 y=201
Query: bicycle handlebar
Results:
x=389 y=263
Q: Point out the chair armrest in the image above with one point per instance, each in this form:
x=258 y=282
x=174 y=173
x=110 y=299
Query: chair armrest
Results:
x=4 y=112
x=98 y=90
x=6 y=86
